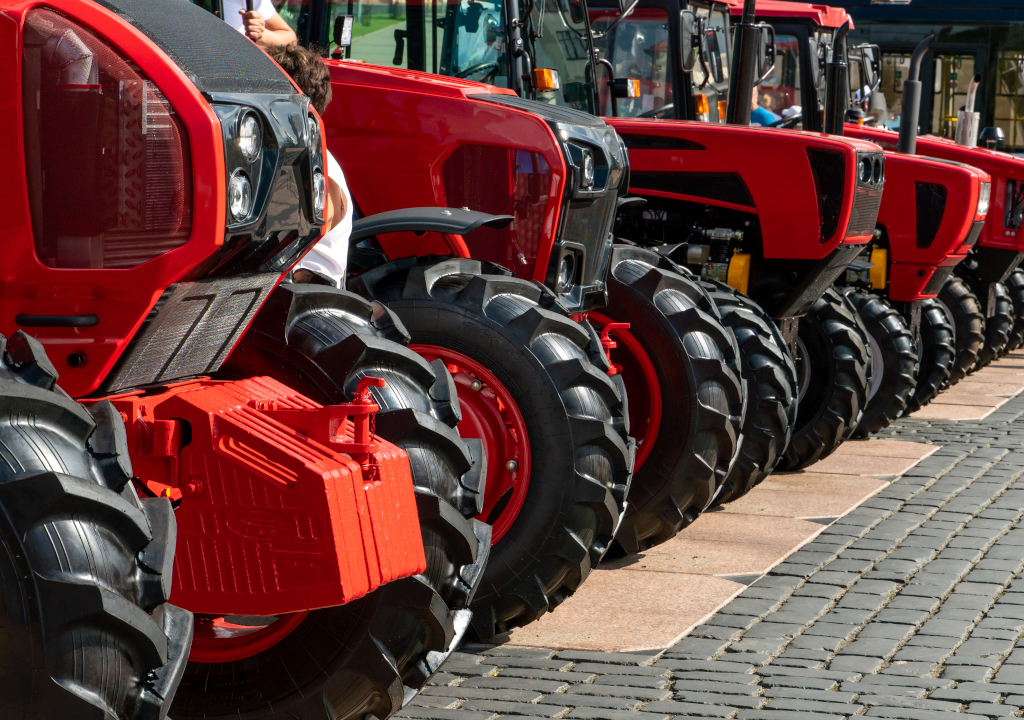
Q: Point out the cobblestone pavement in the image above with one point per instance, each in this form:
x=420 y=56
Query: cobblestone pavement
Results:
x=911 y=606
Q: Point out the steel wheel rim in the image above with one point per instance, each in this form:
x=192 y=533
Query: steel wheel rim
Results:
x=803 y=370
x=642 y=387
x=224 y=638
x=490 y=414
x=877 y=366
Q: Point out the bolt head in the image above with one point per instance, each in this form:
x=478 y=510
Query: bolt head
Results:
x=476 y=385
x=511 y=466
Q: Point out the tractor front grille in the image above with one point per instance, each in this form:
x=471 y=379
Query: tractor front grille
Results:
x=588 y=224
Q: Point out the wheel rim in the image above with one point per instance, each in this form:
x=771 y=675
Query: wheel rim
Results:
x=803 y=370
x=227 y=638
x=642 y=387
x=877 y=366
x=490 y=414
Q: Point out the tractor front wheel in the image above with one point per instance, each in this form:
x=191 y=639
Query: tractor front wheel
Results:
x=85 y=565
x=369 y=656
x=1015 y=287
x=534 y=389
x=770 y=377
x=963 y=311
x=832 y=379
x=936 y=355
x=685 y=402
x=893 y=358
x=997 y=328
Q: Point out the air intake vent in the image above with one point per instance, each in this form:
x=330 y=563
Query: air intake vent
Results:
x=931 y=204
x=829 y=170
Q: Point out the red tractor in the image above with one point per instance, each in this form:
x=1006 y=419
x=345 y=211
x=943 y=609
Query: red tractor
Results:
x=318 y=506
x=505 y=309
x=980 y=327
x=903 y=298
x=777 y=216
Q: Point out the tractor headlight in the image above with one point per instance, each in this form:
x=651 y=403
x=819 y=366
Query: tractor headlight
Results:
x=239 y=195
x=589 y=171
x=986 y=188
x=250 y=137
x=314 y=135
x=319 y=192
x=566 y=270
x=867 y=169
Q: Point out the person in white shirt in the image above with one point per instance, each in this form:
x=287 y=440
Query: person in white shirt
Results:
x=263 y=25
x=329 y=257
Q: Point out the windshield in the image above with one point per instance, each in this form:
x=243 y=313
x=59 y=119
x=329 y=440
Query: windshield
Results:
x=710 y=77
x=637 y=48
x=464 y=39
x=778 y=97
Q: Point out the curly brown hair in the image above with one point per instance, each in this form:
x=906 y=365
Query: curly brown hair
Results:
x=305 y=68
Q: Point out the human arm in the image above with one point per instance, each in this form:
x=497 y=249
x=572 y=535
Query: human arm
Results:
x=267 y=27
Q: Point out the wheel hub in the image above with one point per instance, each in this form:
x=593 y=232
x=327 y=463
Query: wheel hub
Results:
x=490 y=414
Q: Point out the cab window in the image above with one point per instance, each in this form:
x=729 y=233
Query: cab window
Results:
x=778 y=97
x=638 y=48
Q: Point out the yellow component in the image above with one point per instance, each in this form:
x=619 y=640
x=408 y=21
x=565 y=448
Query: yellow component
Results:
x=702 y=104
x=546 y=80
x=633 y=88
x=878 y=274
x=739 y=272
x=722 y=107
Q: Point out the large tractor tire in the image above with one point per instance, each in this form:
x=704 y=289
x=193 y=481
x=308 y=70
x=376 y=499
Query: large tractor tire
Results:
x=833 y=378
x=893 y=359
x=963 y=311
x=370 y=656
x=997 y=328
x=85 y=569
x=552 y=422
x=684 y=400
x=936 y=355
x=771 y=388
x=1015 y=287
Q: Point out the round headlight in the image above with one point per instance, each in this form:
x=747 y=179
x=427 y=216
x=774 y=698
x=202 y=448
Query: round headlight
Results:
x=565 y=271
x=319 y=192
x=866 y=169
x=250 y=139
x=239 y=195
x=587 y=180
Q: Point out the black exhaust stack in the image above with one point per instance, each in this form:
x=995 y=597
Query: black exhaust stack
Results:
x=837 y=84
x=744 y=71
x=912 y=100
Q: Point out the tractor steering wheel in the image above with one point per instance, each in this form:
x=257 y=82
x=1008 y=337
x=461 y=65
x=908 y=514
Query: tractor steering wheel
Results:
x=787 y=122
x=658 y=112
x=491 y=66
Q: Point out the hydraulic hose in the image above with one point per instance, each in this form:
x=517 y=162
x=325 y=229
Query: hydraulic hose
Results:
x=912 y=100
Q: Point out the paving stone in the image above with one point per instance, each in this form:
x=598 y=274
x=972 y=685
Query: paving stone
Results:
x=710 y=686
x=908 y=702
x=428 y=713
x=634 y=681
x=602 y=701
x=745 y=701
x=528 y=662
x=619 y=691
x=804 y=706
x=516 y=651
x=688 y=709
x=513 y=683
x=431 y=701
x=908 y=714
x=856 y=663
x=787 y=715
x=595 y=713
x=610 y=657
x=655 y=670
x=991 y=710
x=546 y=674
x=483 y=694
x=510 y=708
x=727 y=677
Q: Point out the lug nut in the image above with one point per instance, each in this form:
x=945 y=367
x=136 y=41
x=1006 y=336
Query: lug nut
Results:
x=511 y=466
x=476 y=385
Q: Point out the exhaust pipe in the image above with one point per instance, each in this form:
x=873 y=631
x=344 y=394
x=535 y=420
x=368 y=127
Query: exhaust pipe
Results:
x=744 y=71
x=968 y=121
x=837 y=84
x=912 y=100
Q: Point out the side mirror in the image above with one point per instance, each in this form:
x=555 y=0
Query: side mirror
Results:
x=686 y=22
x=766 y=47
x=626 y=7
x=575 y=11
x=814 y=53
x=711 y=55
x=343 y=30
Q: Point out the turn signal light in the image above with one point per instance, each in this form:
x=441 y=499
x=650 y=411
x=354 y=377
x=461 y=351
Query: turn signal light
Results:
x=701 y=101
x=722 y=107
x=626 y=88
x=546 y=80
